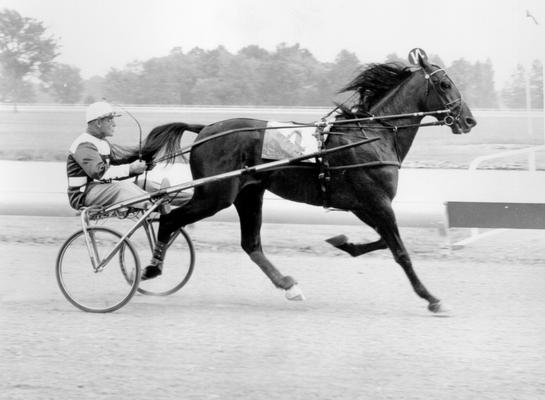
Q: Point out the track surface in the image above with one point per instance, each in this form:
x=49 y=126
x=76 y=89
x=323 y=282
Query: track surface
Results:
x=361 y=334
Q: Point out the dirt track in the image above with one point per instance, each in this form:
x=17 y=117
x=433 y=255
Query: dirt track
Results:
x=361 y=334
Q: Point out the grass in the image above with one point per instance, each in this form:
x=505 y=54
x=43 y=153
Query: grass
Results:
x=44 y=134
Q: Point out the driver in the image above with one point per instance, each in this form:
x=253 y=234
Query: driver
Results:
x=95 y=166
x=97 y=169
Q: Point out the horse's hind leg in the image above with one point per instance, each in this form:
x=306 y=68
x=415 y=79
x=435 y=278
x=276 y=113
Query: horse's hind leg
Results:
x=203 y=204
x=356 y=249
x=384 y=222
x=249 y=203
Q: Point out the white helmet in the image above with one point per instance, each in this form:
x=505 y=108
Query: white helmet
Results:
x=100 y=109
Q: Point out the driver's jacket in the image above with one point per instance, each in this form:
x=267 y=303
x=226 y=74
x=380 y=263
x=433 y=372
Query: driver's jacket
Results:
x=88 y=162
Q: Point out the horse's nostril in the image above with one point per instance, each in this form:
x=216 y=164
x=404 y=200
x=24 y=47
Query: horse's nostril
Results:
x=471 y=122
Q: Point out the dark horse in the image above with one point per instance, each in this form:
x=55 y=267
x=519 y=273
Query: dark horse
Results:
x=365 y=190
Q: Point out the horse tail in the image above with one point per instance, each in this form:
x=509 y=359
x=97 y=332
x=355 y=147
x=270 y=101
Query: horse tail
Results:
x=165 y=139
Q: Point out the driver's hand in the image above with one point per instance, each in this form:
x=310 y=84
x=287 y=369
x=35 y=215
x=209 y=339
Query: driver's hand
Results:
x=150 y=165
x=137 y=167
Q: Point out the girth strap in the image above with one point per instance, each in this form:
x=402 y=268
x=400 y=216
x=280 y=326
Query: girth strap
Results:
x=324 y=176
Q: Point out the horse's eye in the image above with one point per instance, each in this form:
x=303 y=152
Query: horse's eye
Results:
x=445 y=85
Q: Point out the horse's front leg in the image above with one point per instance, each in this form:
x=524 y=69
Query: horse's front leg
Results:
x=383 y=220
x=249 y=203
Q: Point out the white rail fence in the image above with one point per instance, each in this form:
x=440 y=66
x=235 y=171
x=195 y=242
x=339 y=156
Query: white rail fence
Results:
x=427 y=198
x=519 y=205
x=39 y=188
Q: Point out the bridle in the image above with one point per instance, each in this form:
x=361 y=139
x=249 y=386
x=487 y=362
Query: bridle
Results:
x=451 y=110
x=451 y=106
x=325 y=124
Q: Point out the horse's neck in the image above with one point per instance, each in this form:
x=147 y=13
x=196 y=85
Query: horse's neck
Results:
x=401 y=100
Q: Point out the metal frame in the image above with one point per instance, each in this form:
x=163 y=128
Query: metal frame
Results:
x=99 y=265
x=476 y=233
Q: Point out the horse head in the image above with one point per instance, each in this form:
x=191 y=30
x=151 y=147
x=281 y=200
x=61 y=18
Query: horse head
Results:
x=394 y=87
x=442 y=94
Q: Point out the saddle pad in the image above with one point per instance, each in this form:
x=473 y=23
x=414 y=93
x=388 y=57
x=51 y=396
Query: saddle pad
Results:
x=289 y=141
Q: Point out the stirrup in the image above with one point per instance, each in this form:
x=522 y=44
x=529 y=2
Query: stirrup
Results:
x=152 y=271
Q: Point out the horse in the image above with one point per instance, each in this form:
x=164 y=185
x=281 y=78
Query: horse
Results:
x=362 y=180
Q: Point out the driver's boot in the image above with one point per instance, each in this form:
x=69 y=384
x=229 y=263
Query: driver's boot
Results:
x=155 y=267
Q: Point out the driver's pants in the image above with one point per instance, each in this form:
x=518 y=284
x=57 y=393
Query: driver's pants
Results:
x=107 y=194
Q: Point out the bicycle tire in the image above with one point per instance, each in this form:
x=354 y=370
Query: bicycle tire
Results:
x=127 y=288
x=180 y=256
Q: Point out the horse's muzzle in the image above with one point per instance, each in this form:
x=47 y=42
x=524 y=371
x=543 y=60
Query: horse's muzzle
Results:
x=464 y=122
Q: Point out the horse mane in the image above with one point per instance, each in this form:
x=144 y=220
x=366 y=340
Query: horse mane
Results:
x=374 y=82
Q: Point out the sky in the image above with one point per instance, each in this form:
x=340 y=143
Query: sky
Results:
x=97 y=35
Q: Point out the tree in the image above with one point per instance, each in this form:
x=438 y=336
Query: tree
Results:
x=122 y=86
x=536 y=84
x=289 y=77
x=254 y=51
x=393 y=57
x=64 y=83
x=345 y=67
x=483 y=94
x=25 y=90
x=436 y=60
x=25 y=51
x=461 y=72
x=93 y=89
x=514 y=93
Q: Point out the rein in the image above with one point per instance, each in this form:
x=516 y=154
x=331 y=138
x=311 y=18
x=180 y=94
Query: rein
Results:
x=322 y=124
x=326 y=122
x=188 y=148
x=369 y=164
x=396 y=127
x=448 y=120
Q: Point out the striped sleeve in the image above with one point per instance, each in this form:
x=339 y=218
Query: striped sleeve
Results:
x=88 y=157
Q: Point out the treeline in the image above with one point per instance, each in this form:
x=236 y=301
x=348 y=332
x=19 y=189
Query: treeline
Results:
x=287 y=76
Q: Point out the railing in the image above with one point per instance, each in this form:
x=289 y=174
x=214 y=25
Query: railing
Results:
x=476 y=234
x=531 y=157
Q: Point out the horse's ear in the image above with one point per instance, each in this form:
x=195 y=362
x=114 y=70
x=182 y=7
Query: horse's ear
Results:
x=424 y=63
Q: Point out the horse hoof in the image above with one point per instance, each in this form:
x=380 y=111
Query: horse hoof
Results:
x=439 y=309
x=337 y=241
x=295 y=293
